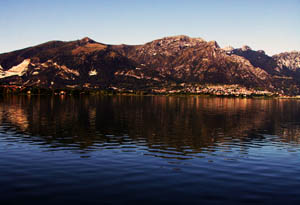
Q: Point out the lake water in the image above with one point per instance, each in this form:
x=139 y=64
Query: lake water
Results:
x=149 y=150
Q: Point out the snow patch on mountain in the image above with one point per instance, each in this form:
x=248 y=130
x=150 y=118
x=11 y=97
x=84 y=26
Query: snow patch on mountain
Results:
x=18 y=70
x=92 y=72
x=67 y=70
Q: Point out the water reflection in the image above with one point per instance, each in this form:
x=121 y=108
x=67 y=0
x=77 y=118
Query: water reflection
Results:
x=170 y=126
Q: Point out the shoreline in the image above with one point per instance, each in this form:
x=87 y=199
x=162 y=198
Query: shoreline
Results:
x=208 y=91
x=105 y=93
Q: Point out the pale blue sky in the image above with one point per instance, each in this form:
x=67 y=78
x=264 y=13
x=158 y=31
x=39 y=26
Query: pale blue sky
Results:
x=271 y=25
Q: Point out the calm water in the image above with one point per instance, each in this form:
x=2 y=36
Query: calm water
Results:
x=149 y=150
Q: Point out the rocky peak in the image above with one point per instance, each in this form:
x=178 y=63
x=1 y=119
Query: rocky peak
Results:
x=228 y=48
x=214 y=44
x=87 y=40
x=181 y=40
x=171 y=46
x=261 y=52
x=245 y=48
x=257 y=59
x=290 y=60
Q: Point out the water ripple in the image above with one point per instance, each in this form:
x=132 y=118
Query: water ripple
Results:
x=149 y=150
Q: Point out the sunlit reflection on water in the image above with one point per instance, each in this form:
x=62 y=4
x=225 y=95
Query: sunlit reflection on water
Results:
x=125 y=149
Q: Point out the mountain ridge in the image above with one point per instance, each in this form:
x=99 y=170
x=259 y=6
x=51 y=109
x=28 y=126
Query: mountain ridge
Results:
x=170 y=64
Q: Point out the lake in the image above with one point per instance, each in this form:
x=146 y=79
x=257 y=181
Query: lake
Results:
x=149 y=150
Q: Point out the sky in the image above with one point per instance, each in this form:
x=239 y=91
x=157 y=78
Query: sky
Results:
x=270 y=25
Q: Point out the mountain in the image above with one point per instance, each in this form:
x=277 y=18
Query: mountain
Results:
x=289 y=64
x=61 y=64
x=282 y=67
x=289 y=60
x=182 y=59
x=257 y=59
x=170 y=64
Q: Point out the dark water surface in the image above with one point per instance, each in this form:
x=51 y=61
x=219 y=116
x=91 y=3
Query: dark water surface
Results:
x=149 y=150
